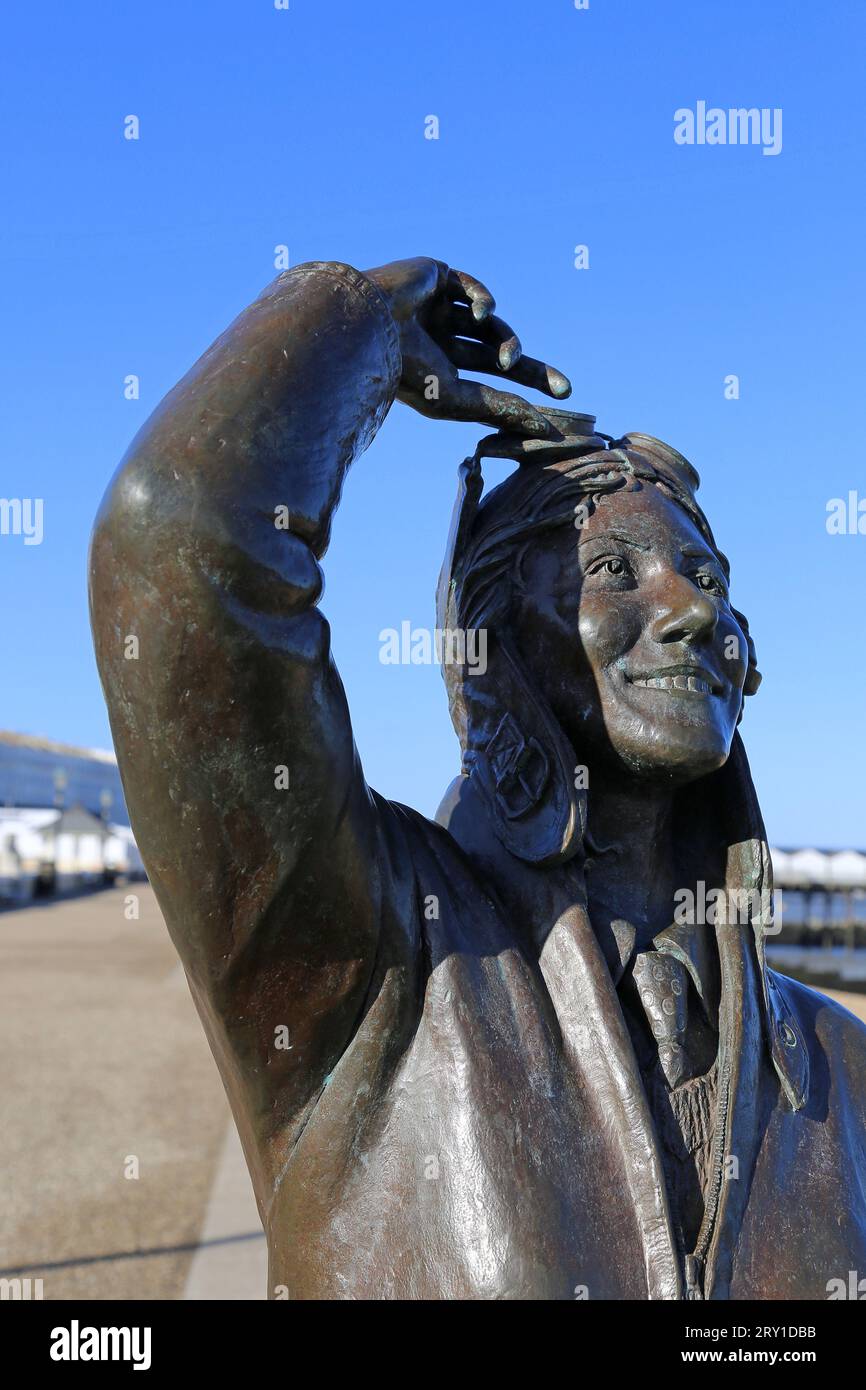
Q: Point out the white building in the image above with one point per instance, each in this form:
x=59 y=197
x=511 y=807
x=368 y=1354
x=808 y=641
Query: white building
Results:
x=63 y=821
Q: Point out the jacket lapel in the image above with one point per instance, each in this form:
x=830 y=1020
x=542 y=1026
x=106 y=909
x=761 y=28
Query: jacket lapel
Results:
x=599 y=1051
x=753 y=1008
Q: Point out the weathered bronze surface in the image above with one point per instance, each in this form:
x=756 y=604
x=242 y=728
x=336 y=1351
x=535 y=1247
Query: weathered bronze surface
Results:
x=487 y=1056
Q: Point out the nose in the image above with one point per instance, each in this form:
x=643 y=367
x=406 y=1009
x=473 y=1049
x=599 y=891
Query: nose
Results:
x=684 y=613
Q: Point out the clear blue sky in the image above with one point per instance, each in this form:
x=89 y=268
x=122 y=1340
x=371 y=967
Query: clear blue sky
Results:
x=306 y=127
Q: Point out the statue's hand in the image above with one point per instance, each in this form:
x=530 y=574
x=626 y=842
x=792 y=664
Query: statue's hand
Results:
x=446 y=321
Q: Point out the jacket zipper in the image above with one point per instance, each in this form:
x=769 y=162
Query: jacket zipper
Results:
x=696 y=1262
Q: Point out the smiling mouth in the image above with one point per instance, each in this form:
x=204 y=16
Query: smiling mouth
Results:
x=679 y=680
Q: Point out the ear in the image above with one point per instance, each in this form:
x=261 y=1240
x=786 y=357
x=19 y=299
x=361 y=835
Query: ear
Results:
x=753 y=675
x=522 y=763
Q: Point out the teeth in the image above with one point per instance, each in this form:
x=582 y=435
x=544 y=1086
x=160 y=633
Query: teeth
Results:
x=695 y=684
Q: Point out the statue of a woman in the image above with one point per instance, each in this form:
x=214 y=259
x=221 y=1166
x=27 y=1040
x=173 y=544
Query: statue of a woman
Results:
x=531 y=1049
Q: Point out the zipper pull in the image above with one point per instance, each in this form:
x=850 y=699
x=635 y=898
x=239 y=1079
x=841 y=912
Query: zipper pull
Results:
x=694 y=1275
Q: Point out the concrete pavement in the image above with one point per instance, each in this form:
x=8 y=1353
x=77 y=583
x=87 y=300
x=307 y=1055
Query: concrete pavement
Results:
x=106 y=1074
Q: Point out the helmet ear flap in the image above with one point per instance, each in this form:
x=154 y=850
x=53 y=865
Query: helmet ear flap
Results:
x=470 y=485
x=523 y=765
x=514 y=750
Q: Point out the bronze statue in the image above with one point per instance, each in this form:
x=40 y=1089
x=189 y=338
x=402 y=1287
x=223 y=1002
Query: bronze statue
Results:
x=486 y=1056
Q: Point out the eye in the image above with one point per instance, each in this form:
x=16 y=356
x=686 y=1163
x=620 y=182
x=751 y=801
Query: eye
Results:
x=613 y=565
x=609 y=573
x=711 y=583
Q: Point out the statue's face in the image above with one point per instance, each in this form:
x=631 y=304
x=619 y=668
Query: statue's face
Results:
x=627 y=626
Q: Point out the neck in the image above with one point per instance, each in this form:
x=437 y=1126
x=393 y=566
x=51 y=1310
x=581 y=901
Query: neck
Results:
x=630 y=868
x=633 y=880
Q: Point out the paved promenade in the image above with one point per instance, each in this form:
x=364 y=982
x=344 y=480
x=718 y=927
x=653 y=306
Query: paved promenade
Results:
x=106 y=1068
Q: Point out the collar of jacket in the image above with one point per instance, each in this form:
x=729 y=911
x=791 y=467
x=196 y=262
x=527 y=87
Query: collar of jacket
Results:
x=787 y=1044
x=782 y=1032
x=598 y=1047
x=750 y=867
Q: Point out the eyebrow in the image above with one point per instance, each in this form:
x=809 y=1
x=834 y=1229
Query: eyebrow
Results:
x=616 y=536
x=691 y=550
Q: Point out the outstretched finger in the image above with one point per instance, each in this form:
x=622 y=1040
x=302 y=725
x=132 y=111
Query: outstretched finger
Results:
x=477 y=296
x=472 y=400
x=527 y=371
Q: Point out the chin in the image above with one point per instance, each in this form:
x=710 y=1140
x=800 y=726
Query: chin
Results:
x=677 y=763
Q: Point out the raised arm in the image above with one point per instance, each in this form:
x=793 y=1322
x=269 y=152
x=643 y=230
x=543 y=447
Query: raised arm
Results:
x=260 y=836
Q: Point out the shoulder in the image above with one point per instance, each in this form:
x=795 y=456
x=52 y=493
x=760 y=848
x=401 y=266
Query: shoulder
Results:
x=817 y=1013
x=835 y=1040
x=419 y=837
